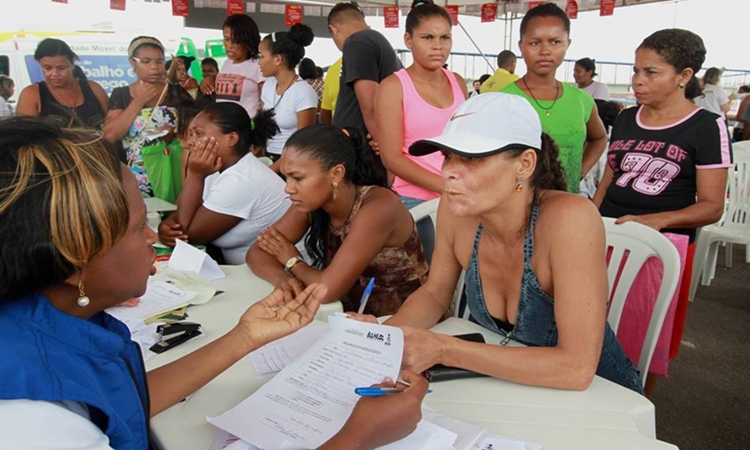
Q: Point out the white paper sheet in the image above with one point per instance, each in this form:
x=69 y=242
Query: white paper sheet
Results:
x=186 y=257
x=160 y=297
x=188 y=281
x=278 y=354
x=227 y=441
x=427 y=436
x=311 y=398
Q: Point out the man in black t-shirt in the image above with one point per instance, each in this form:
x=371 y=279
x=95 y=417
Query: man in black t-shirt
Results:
x=368 y=58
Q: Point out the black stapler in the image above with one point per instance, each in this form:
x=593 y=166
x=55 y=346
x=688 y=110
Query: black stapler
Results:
x=183 y=331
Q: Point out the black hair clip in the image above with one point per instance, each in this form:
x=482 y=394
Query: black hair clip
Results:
x=188 y=331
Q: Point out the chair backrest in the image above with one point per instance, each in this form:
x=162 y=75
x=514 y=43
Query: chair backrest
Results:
x=266 y=160
x=737 y=210
x=428 y=211
x=632 y=244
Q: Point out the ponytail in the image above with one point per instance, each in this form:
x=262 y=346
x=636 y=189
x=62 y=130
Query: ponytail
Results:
x=330 y=146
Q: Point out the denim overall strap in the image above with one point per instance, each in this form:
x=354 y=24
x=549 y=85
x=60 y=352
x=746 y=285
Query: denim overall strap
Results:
x=528 y=242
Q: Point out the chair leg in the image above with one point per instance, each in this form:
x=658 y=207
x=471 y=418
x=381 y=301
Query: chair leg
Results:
x=728 y=256
x=699 y=262
x=709 y=268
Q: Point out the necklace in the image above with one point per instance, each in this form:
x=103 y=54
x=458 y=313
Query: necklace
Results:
x=557 y=95
x=58 y=97
x=276 y=102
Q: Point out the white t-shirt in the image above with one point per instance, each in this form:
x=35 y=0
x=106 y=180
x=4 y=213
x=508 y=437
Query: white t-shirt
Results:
x=598 y=90
x=5 y=110
x=299 y=97
x=40 y=425
x=239 y=83
x=248 y=190
x=712 y=99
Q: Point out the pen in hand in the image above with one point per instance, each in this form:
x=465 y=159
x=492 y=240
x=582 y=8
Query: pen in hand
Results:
x=366 y=295
x=378 y=392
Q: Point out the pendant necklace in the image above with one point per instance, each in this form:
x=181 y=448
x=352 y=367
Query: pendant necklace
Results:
x=58 y=97
x=546 y=110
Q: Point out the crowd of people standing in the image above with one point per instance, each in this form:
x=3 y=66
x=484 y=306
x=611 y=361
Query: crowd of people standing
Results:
x=329 y=210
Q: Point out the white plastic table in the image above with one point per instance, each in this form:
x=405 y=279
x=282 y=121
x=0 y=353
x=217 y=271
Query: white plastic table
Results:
x=605 y=416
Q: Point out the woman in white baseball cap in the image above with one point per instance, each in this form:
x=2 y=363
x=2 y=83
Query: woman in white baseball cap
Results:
x=533 y=256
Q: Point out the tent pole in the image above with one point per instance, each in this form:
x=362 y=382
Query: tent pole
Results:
x=489 y=64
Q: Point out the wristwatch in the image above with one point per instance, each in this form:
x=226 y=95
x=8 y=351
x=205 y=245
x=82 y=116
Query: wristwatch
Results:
x=293 y=261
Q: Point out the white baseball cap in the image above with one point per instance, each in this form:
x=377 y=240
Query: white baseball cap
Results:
x=485 y=125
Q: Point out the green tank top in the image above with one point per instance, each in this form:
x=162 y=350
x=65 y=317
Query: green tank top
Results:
x=566 y=123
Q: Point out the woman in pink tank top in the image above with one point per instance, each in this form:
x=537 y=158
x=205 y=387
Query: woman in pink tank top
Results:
x=420 y=100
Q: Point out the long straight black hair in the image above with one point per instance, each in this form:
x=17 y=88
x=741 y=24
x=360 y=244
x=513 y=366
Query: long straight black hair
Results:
x=331 y=146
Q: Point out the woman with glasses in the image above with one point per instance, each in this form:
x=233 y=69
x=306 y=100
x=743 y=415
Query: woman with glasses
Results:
x=143 y=113
x=65 y=97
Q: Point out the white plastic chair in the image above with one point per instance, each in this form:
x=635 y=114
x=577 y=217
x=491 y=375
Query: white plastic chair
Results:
x=428 y=211
x=266 y=160
x=640 y=243
x=733 y=228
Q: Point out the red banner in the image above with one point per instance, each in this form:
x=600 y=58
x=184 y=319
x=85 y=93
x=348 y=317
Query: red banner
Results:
x=59 y=1
x=533 y=5
x=390 y=16
x=489 y=12
x=117 y=4
x=180 y=8
x=607 y=7
x=453 y=12
x=571 y=9
x=235 y=7
x=293 y=14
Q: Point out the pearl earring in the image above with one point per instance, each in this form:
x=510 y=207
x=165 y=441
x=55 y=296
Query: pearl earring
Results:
x=83 y=301
x=335 y=190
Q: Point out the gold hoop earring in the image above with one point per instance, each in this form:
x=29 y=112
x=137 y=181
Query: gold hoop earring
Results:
x=335 y=190
x=519 y=185
x=83 y=301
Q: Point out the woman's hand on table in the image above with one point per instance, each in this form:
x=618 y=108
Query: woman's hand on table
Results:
x=204 y=159
x=291 y=288
x=277 y=245
x=274 y=317
x=367 y=318
x=422 y=349
x=368 y=428
x=169 y=231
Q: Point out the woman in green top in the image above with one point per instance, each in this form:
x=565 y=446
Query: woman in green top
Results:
x=568 y=114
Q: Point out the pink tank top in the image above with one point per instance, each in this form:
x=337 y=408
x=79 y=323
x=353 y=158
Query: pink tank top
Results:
x=423 y=121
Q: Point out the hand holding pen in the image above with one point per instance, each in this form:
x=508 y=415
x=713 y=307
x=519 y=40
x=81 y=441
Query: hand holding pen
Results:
x=378 y=421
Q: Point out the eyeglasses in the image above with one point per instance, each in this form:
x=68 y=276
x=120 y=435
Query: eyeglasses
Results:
x=149 y=62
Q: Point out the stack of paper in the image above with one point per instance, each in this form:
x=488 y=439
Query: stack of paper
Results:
x=159 y=298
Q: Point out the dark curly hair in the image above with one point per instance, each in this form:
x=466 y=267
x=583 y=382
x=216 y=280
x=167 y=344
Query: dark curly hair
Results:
x=307 y=69
x=424 y=9
x=291 y=44
x=681 y=49
x=545 y=10
x=548 y=173
x=230 y=117
x=331 y=146
x=244 y=32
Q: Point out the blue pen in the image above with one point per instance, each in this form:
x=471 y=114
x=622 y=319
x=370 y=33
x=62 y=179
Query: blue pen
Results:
x=378 y=392
x=366 y=295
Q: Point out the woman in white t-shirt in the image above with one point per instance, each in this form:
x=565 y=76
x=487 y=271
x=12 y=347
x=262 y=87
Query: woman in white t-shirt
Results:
x=584 y=72
x=292 y=99
x=239 y=79
x=228 y=195
x=714 y=98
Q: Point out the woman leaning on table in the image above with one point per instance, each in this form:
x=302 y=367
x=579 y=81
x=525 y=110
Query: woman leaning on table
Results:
x=533 y=255
x=667 y=160
x=70 y=368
